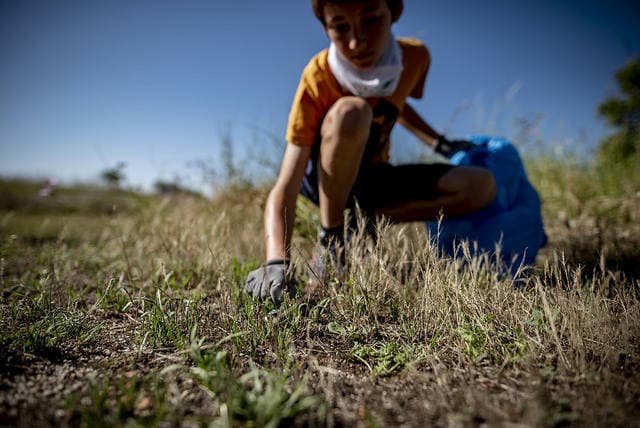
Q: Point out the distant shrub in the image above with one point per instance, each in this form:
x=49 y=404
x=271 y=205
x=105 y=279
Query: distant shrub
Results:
x=623 y=148
x=25 y=195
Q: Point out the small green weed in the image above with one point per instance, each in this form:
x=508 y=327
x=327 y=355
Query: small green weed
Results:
x=259 y=398
x=114 y=297
x=46 y=330
x=475 y=335
x=169 y=321
x=386 y=358
x=540 y=321
x=125 y=401
x=483 y=338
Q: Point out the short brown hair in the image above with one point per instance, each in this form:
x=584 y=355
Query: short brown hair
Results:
x=395 y=6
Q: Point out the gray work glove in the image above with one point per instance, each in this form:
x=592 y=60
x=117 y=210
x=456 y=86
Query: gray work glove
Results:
x=272 y=280
x=448 y=148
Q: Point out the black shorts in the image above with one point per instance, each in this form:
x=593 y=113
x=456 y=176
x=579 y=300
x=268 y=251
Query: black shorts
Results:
x=381 y=185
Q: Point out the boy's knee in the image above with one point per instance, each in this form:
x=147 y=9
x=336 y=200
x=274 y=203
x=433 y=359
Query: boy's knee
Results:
x=484 y=188
x=475 y=185
x=348 y=117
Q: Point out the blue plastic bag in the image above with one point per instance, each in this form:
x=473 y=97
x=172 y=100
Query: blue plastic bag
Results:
x=513 y=221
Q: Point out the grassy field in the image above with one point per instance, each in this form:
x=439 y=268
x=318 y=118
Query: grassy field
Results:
x=120 y=309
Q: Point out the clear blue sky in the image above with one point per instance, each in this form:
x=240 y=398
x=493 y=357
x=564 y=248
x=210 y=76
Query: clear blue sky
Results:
x=86 y=84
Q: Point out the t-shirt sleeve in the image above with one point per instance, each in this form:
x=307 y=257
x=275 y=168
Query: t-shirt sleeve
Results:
x=305 y=115
x=423 y=58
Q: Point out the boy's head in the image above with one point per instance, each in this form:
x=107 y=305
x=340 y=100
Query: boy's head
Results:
x=360 y=30
x=395 y=6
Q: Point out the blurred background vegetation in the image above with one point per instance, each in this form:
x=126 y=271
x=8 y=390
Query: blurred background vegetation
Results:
x=623 y=112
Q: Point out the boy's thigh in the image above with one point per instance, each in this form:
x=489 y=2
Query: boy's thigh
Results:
x=384 y=185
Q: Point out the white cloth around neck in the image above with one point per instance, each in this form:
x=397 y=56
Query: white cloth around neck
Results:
x=381 y=80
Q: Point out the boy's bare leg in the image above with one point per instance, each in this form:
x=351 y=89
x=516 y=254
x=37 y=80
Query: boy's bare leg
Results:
x=464 y=189
x=345 y=131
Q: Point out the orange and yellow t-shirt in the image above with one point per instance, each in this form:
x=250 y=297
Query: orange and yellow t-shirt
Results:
x=319 y=89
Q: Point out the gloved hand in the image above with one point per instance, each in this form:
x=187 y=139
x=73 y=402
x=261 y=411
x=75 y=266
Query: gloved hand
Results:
x=448 y=148
x=272 y=280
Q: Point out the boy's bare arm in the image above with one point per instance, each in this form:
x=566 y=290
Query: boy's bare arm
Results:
x=280 y=210
x=413 y=122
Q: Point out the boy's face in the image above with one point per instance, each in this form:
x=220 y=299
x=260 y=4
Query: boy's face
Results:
x=359 y=30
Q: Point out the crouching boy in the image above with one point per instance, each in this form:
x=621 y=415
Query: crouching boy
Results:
x=348 y=100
